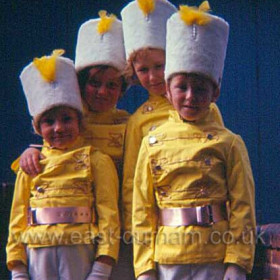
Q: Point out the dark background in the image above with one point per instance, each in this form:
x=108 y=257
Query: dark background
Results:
x=249 y=101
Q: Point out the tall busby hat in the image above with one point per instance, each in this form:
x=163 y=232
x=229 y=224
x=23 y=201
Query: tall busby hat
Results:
x=144 y=24
x=196 y=42
x=50 y=81
x=100 y=41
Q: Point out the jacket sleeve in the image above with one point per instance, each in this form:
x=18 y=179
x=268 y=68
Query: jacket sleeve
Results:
x=144 y=215
x=242 y=225
x=106 y=198
x=133 y=141
x=18 y=221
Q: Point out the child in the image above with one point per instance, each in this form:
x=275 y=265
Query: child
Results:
x=64 y=221
x=191 y=168
x=100 y=61
x=144 y=26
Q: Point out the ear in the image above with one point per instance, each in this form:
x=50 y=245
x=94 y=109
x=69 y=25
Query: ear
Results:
x=168 y=94
x=216 y=94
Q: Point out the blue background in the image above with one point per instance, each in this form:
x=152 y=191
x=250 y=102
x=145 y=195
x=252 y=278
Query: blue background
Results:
x=250 y=95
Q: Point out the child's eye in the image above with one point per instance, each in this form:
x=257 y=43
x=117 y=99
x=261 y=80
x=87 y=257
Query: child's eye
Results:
x=142 y=70
x=200 y=90
x=159 y=66
x=67 y=119
x=47 y=121
x=181 y=87
x=94 y=83
x=112 y=85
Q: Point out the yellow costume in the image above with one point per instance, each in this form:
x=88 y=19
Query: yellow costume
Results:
x=188 y=164
x=79 y=177
x=150 y=115
x=106 y=131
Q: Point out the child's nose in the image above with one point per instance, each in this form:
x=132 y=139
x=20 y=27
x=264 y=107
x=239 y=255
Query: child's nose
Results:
x=102 y=90
x=190 y=94
x=58 y=126
x=152 y=75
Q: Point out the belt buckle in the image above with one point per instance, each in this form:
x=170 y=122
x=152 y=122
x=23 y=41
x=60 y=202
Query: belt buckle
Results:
x=204 y=216
x=32 y=216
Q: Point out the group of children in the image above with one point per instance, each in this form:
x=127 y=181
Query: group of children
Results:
x=170 y=180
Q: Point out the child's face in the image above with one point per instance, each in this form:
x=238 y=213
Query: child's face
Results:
x=149 y=68
x=60 y=126
x=191 y=95
x=103 y=88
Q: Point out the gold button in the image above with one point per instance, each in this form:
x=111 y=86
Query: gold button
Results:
x=152 y=140
x=40 y=189
x=158 y=167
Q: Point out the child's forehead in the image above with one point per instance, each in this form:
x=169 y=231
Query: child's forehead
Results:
x=59 y=111
x=151 y=53
x=194 y=78
x=104 y=70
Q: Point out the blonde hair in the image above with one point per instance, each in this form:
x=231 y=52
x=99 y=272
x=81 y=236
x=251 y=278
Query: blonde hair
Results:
x=129 y=71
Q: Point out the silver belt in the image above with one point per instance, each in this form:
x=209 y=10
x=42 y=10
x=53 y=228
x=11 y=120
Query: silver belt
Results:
x=59 y=215
x=201 y=215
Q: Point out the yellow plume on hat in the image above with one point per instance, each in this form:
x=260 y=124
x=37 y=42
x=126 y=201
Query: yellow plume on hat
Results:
x=194 y=15
x=147 y=6
x=47 y=65
x=105 y=23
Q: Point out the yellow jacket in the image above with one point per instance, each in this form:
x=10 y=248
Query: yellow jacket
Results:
x=148 y=116
x=188 y=164
x=80 y=176
x=106 y=131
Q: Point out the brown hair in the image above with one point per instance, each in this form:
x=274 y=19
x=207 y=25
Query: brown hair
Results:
x=195 y=75
x=84 y=74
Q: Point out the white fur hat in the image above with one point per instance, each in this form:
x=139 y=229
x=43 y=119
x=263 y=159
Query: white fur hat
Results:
x=196 y=42
x=144 y=24
x=100 y=41
x=49 y=82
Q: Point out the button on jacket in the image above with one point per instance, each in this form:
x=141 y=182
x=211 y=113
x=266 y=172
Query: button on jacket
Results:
x=81 y=176
x=151 y=114
x=188 y=164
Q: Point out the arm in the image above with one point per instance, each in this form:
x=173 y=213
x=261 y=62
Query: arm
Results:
x=241 y=194
x=144 y=216
x=29 y=162
x=106 y=204
x=133 y=141
x=16 y=254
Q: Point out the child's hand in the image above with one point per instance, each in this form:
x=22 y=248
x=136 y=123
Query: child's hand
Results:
x=234 y=272
x=149 y=275
x=29 y=161
x=20 y=273
x=100 y=271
